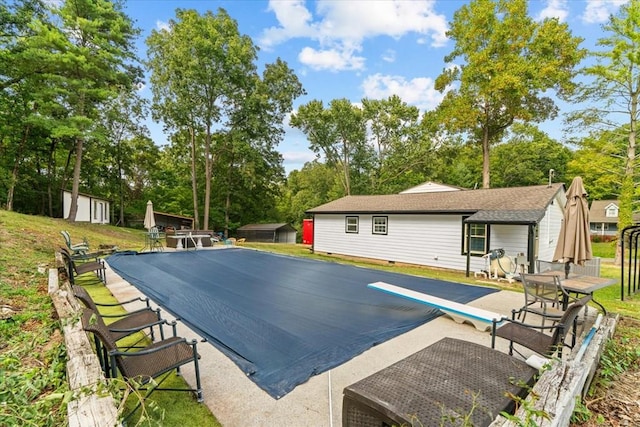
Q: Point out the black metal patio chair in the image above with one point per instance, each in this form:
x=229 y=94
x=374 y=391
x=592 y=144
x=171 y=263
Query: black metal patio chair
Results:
x=125 y=323
x=544 y=340
x=74 y=269
x=543 y=295
x=148 y=366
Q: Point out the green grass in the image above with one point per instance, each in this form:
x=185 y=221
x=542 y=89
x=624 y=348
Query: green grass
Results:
x=32 y=352
x=605 y=250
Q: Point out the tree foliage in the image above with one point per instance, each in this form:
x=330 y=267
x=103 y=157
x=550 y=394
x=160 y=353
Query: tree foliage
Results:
x=509 y=62
x=206 y=85
x=613 y=109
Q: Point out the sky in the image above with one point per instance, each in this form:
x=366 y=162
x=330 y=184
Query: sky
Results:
x=357 y=49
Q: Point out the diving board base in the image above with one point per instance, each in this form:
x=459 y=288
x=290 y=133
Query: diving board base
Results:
x=482 y=320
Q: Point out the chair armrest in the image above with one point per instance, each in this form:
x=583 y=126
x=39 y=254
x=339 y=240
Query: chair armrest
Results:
x=173 y=343
x=159 y=322
x=116 y=304
x=128 y=313
x=539 y=327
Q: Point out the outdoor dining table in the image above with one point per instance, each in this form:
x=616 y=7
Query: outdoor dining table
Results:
x=581 y=285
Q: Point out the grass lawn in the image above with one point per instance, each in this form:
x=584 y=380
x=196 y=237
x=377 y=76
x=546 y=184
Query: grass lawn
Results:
x=32 y=353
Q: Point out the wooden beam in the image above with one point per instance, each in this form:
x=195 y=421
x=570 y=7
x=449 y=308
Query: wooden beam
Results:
x=91 y=405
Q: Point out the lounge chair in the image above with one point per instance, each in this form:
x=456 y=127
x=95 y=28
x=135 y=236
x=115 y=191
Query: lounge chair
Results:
x=534 y=337
x=78 y=269
x=144 y=366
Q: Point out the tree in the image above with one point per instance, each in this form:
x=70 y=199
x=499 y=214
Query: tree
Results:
x=120 y=127
x=206 y=85
x=339 y=134
x=510 y=62
x=527 y=158
x=95 y=63
x=599 y=160
x=200 y=66
x=315 y=184
x=614 y=99
x=400 y=146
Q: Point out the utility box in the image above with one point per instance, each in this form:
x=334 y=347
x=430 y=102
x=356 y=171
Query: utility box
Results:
x=307 y=231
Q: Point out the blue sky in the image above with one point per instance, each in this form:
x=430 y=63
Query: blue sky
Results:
x=358 y=49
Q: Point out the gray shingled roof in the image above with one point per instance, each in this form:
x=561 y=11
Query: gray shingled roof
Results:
x=597 y=212
x=509 y=205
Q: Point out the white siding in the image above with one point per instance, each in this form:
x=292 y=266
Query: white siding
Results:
x=90 y=209
x=549 y=230
x=432 y=240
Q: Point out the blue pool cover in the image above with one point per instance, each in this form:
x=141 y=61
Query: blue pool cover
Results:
x=282 y=319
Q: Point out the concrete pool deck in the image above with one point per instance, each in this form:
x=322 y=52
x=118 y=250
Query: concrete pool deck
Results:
x=237 y=401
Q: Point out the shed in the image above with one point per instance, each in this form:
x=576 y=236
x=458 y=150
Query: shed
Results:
x=93 y=209
x=269 y=233
x=178 y=222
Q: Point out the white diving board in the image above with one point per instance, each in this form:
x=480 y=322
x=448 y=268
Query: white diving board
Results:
x=483 y=320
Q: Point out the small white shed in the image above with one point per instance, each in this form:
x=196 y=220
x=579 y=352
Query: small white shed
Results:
x=93 y=209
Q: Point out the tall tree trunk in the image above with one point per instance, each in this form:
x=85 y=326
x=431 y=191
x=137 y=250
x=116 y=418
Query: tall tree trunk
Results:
x=628 y=188
x=194 y=185
x=207 y=173
x=227 y=203
x=16 y=166
x=486 y=176
x=120 y=186
x=75 y=188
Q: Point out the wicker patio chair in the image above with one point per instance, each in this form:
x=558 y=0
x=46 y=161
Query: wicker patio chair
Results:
x=75 y=269
x=534 y=337
x=126 y=323
x=149 y=366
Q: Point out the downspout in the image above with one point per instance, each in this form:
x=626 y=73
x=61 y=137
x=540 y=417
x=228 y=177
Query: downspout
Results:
x=467 y=249
x=530 y=248
x=313 y=234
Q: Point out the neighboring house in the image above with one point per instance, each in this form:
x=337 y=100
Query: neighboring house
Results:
x=93 y=209
x=603 y=217
x=269 y=233
x=437 y=228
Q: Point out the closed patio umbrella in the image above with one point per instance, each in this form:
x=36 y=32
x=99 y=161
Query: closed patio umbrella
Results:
x=149 y=218
x=574 y=242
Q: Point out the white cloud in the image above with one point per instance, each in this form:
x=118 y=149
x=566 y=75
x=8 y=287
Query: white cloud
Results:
x=298 y=156
x=555 y=9
x=331 y=59
x=161 y=25
x=389 y=55
x=340 y=27
x=419 y=91
x=598 y=11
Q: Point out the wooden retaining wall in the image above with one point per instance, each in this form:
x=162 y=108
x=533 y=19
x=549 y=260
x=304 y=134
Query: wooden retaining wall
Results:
x=92 y=404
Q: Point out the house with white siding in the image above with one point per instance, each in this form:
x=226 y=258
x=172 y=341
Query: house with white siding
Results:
x=447 y=228
x=93 y=209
